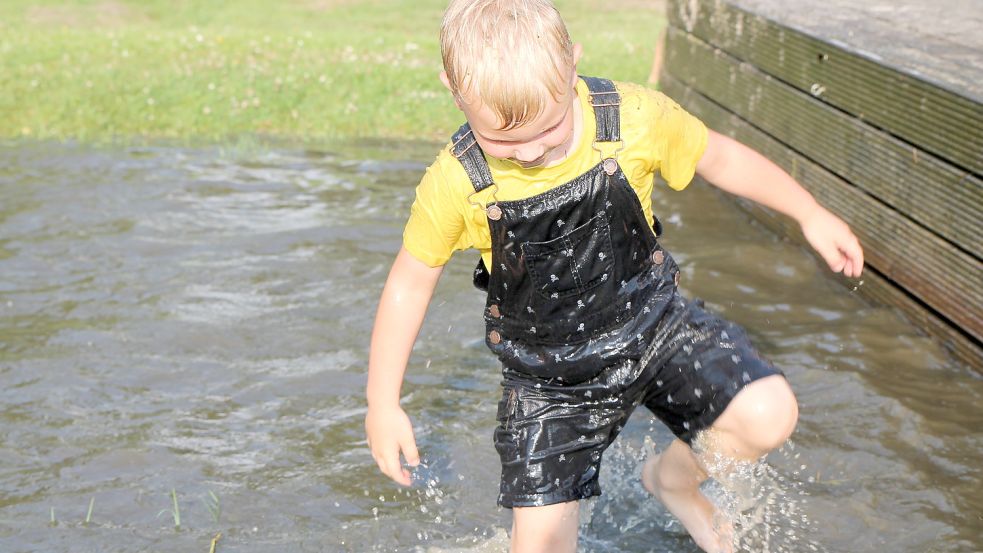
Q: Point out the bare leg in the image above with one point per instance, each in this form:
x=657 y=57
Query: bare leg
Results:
x=759 y=419
x=548 y=529
x=674 y=478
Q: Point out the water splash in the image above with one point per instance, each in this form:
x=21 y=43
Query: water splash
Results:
x=764 y=507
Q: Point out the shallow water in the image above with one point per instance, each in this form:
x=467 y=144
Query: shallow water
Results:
x=198 y=320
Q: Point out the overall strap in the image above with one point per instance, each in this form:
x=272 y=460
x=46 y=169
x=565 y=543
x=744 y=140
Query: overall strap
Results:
x=465 y=148
x=606 y=101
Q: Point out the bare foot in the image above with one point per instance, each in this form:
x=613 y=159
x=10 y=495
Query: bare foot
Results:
x=708 y=528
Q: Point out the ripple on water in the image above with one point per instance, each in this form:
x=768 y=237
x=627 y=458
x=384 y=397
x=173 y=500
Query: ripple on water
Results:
x=199 y=321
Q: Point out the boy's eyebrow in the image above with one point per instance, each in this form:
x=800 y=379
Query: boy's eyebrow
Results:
x=551 y=127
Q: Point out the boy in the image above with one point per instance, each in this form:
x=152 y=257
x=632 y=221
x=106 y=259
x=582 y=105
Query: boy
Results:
x=551 y=180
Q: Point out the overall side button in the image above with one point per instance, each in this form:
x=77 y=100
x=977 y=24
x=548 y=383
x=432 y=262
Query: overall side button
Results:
x=494 y=337
x=658 y=257
x=494 y=311
x=610 y=166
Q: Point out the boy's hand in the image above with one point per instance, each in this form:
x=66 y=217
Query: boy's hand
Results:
x=390 y=431
x=834 y=241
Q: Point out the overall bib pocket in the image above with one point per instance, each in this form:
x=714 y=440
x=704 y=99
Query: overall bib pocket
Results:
x=574 y=263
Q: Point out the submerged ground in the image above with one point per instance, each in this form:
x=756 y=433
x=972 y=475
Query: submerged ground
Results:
x=189 y=279
x=197 y=320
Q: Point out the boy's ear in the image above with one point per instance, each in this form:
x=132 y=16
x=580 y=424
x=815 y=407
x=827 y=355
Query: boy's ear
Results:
x=447 y=85
x=578 y=49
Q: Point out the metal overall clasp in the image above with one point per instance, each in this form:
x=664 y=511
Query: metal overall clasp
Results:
x=490 y=208
x=610 y=161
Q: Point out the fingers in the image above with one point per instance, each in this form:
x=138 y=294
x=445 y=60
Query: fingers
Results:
x=848 y=268
x=387 y=458
x=408 y=445
x=410 y=453
x=849 y=258
x=838 y=263
x=843 y=255
x=833 y=257
x=855 y=253
x=835 y=243
x=388 y=462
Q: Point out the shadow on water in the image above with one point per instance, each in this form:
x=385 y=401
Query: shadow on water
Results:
x=198 y=320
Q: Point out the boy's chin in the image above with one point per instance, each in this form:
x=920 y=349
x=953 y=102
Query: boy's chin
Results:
x=530 y=165
x=534 y=164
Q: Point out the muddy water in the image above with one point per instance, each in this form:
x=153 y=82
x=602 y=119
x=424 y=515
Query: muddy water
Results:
x=197 y=321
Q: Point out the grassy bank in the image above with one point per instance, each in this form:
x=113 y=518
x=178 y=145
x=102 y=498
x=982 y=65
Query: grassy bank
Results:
x=304 y=69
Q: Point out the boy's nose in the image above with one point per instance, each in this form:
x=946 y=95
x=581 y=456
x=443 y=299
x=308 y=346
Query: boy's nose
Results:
x=531 y=153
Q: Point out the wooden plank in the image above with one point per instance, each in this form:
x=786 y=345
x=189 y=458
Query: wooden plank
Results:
x=880 y=290
x=934 y=193
x=876 y=286
x=931 y=270
x=938 y=42
x=943 y=114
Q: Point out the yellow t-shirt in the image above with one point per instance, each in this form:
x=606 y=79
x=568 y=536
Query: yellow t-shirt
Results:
x=658 y=135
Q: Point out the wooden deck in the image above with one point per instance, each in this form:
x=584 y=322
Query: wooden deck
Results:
x=877 y=109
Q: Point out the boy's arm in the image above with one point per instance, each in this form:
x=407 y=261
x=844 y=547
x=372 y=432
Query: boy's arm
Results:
x=732 y=166
x=401 y=310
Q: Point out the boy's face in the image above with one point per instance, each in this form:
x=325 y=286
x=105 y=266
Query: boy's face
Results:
x=542 y=142
x=539 y=143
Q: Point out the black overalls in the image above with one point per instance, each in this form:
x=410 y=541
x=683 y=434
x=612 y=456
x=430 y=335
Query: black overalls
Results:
x=583 y=313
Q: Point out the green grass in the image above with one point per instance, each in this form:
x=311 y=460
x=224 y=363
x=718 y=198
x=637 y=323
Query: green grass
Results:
x=194 y=70
x=175 y=511
x=88 y=514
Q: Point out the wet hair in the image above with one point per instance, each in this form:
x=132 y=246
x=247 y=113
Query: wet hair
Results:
x=511 y=55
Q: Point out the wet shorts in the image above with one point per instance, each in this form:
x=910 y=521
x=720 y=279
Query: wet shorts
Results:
x=550 y=437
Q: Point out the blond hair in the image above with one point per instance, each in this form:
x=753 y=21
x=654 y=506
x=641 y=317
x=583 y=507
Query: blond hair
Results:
x=512 y=55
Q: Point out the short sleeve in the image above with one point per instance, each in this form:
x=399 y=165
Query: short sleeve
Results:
x=435 y=227
x=682 y=139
